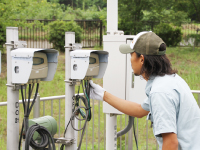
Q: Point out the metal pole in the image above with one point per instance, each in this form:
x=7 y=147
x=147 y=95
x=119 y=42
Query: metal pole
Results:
x=36 y=107
x=111 y=132
x=111 y=121
x=69 y=88
x=130 y=139
x=12 y=95
x=112 y=15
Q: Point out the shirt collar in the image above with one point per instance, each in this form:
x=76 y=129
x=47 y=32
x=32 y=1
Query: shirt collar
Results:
x=149 y=85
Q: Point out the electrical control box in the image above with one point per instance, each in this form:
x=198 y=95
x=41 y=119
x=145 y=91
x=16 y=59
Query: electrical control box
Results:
x=119 y=78
x=33 y=65
x=88 y=63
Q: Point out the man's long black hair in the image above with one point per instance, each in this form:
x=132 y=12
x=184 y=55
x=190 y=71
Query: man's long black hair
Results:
x=156 y=65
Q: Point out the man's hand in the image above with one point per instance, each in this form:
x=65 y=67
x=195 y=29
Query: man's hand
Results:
x=96 y=91
x=170 y=141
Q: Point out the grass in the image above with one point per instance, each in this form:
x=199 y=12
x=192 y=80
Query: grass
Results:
x=185 y=60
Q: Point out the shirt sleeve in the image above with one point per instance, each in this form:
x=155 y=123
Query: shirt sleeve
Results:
x=145 y=104
x=164 y=113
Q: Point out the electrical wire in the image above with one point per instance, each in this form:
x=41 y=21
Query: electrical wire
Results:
x=78 y=109
x=27 y=109
x=136 y=142
x=45 y=135
x=28 y=132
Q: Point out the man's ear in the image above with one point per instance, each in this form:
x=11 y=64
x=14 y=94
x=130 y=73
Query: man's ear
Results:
x=142 y=59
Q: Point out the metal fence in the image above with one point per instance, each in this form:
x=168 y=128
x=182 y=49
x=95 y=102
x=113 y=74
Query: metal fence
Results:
x=37 y=35
x=190 y=31
x=93 y=31
x=94 y=137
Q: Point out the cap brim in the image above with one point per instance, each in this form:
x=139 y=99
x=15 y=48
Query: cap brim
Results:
x=125 y=49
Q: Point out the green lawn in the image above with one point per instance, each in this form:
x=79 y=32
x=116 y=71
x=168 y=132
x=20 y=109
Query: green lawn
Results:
x=185 y=60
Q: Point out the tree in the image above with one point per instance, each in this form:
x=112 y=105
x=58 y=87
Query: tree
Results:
x=131 y=14
x=191 y=7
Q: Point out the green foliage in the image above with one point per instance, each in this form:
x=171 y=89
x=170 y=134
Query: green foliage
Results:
x=91 y=13
x=84 y=4
x=57 y=33
x=170 y=35
x=42 y=9
x=164 y=11
x=190 y=7
x=2 y=35
x=131 y=14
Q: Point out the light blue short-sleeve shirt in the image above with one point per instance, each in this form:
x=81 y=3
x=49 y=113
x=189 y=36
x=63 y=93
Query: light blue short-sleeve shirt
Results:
x=173 y=108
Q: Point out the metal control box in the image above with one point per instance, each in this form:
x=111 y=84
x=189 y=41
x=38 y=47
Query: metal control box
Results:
x=29 y=64
x=119 y=79
x=88 y=63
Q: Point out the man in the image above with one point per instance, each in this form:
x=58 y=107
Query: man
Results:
x=169 y=105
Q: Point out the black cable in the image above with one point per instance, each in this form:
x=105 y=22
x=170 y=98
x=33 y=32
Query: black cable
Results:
x=134 y=133
x=27 y=109
x=34 y=98
x=20 y=139
x=22 y=98
x=77 y=108
x=87 y=96
x=29 y=97
x=46 y=138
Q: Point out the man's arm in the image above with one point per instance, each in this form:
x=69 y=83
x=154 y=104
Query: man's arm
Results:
x=127 y=107
x=170 y=141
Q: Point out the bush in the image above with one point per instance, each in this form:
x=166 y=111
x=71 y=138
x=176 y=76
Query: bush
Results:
x=170 y=35
x=57 y=33
x=2 y=35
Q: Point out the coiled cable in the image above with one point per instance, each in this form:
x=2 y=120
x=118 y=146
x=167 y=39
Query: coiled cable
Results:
x=46 y=138
x=78 y=109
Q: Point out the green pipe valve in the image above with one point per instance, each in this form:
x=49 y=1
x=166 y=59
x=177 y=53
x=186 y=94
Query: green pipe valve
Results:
x=48 y=122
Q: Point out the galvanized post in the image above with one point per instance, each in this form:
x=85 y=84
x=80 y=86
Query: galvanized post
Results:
x=69 y=88
x=36 y=107
x=112 y=15
x=130 y=139
x=111 y=121
x=12 y=95
x=111 y=132
x=199 y=99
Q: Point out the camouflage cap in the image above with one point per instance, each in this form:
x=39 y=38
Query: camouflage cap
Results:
x=146 y=43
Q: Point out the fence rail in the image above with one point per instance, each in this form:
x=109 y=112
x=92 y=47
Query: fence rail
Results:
x=93 y=143
x=93 y=31
x=37 y=36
